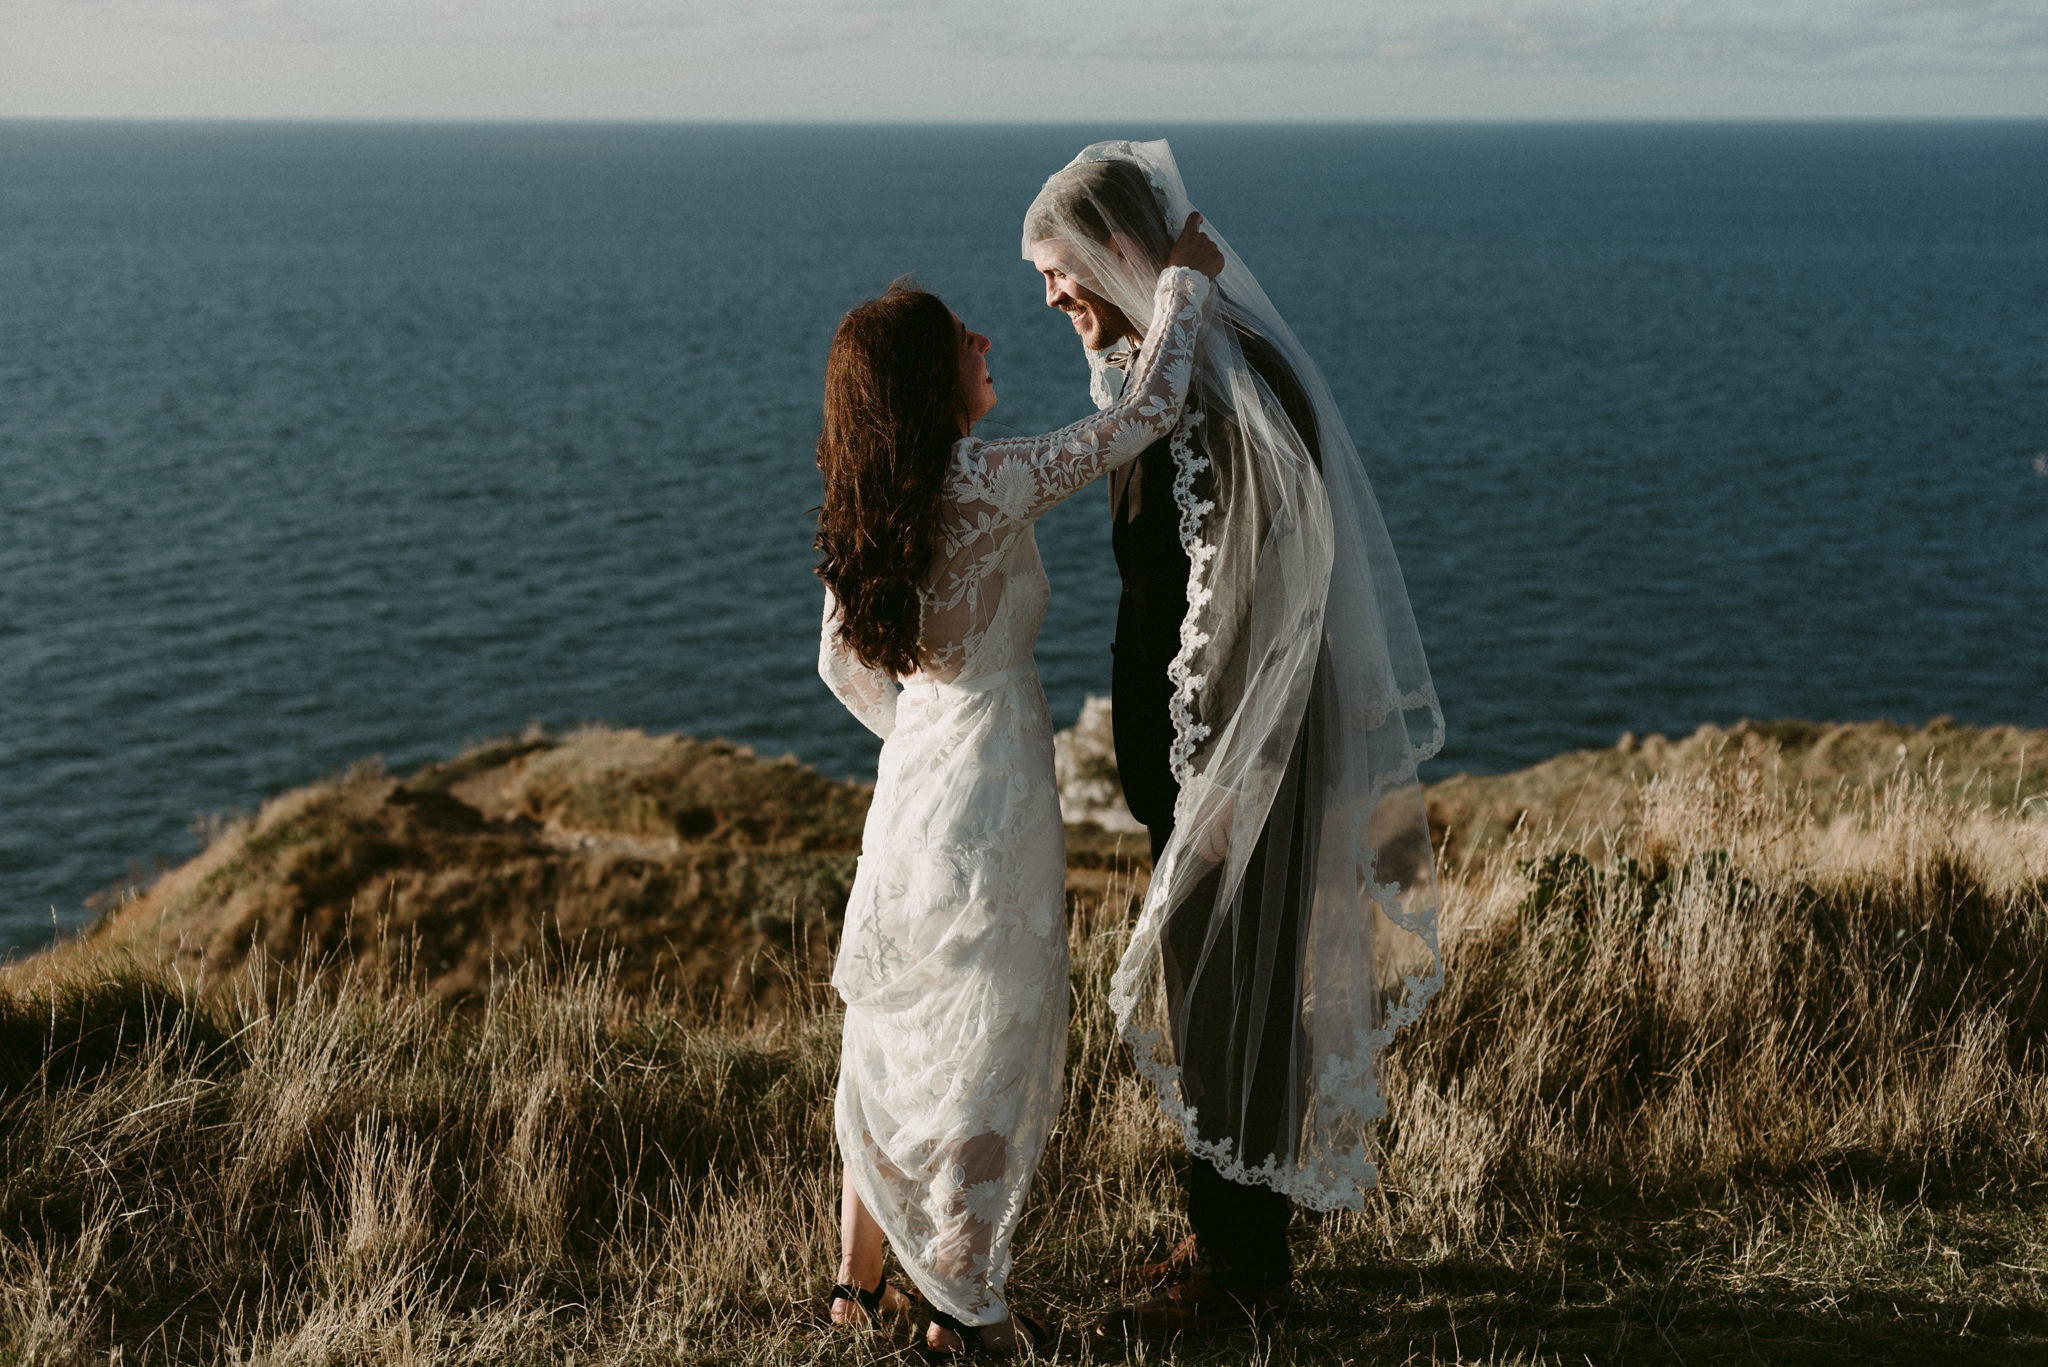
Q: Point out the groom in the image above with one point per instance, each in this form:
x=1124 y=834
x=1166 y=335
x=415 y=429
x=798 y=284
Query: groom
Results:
x=1235 y=1263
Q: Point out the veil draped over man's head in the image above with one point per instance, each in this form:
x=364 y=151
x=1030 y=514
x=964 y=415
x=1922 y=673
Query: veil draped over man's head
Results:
x=1300 y=661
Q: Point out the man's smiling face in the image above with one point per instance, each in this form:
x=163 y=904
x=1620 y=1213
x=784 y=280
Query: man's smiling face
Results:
x=1097 y=320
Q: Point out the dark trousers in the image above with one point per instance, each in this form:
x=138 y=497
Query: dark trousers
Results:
x=1240 y=1228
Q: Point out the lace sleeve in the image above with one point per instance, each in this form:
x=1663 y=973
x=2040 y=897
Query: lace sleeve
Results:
x=1015 y=480
x=869 y=693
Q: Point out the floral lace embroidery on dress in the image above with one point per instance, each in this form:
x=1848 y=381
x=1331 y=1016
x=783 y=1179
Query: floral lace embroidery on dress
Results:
x=953 y=960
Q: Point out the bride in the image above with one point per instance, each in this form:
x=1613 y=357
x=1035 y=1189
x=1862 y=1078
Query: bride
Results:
x=953 y=962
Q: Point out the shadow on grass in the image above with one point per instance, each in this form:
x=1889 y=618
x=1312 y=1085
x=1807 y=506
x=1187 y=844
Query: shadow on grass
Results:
x=1601 y=1306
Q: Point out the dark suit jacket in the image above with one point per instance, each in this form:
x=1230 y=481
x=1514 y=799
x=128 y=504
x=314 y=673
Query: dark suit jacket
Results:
x=1145 y=535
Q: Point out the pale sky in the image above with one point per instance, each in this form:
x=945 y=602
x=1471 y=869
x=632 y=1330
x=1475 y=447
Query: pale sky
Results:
x=1048 y=60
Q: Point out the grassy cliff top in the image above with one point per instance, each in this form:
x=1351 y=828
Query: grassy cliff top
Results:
x=1828 y=769
x=1740 y=1056
x=701 y=862
x=689 y=859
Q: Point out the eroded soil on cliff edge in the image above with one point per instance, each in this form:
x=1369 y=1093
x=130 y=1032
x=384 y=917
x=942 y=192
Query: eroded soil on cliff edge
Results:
x=687 y=860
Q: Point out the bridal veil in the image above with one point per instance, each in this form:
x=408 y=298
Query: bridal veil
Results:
x=1296 y=613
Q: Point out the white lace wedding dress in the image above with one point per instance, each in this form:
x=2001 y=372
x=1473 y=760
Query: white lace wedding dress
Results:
x=953 y=962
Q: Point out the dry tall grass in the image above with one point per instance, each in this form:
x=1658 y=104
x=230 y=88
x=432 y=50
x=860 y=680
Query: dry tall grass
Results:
x=1759 y=1087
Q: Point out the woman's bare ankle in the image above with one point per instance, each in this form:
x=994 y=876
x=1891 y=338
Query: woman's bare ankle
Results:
x=866 y=1278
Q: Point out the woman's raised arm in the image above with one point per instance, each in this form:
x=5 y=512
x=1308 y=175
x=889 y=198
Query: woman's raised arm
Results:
x=1019 y=478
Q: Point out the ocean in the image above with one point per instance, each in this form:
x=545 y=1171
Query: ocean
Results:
x=319 y=442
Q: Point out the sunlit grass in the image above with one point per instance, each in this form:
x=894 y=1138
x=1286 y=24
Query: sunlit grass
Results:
x=1755 y=1084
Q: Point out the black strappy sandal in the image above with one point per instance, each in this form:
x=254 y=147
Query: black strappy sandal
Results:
x=1037 y=1336
x=870 y=1301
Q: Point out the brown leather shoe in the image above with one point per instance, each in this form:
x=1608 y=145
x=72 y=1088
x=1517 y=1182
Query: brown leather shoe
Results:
x=1145 y=1276
x=1195 y=1303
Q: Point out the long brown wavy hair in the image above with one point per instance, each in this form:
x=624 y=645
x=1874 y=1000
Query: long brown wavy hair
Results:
x=893 y=409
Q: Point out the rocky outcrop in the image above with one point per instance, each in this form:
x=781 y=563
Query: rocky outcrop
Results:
x=1084 y=760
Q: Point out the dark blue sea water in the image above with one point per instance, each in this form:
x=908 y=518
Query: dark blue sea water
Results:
x=319 y=442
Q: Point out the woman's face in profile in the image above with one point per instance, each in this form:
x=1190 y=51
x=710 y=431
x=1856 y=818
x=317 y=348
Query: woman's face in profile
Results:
x=977 y=388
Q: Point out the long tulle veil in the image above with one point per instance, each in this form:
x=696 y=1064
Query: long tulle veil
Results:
x=1300 y=660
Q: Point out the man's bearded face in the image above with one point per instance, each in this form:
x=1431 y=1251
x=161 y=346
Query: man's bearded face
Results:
x=1067 y=289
